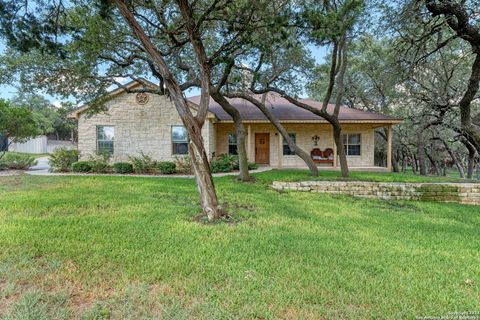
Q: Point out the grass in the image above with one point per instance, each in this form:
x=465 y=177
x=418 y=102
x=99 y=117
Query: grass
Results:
x=124 y=247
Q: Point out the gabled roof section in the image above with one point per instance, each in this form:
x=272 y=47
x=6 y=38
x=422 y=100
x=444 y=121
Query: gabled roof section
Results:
x=123 y=90
x=286 y=111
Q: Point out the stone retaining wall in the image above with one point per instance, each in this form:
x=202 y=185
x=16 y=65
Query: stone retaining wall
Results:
x=468 y=193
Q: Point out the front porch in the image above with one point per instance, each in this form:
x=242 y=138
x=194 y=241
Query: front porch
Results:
x=265 y=144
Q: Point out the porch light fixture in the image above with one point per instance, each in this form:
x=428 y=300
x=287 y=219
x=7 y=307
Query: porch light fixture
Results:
x=315 y=139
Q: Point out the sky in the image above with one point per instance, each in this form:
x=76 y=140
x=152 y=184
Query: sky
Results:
x=8 y=91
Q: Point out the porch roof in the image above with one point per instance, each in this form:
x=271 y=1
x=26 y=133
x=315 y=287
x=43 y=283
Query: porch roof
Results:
x=286 y=111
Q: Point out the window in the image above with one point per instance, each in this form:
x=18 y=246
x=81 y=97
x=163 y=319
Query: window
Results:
x=105 y=138
x=351 y=142
x=179 y=140
x=232 y=144
x=286 y=148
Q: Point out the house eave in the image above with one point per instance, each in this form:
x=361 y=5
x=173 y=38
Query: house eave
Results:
x=377 y=122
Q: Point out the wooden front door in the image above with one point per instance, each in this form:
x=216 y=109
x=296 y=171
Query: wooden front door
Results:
x=262 y=148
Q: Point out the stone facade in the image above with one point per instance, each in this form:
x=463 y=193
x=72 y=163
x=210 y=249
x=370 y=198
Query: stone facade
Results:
x=466 y=193
x=138 y=128
x=304 y=133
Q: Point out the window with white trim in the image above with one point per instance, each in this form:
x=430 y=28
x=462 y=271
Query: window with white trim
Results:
x=286 y=148
x=232 y=144
x=352 y=144
x=179 y=140
x=105 y=139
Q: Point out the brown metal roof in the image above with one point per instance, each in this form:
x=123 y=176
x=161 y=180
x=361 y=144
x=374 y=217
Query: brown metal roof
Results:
x=286 y=111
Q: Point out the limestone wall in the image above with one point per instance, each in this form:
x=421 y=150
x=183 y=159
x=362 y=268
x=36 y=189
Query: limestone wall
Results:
x=138 y=128
x=467 y=193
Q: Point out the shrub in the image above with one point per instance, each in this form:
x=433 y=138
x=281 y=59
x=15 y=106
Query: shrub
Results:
x=100 y=163
x=123 y=167
x=220 y=166
x=229 y=159
x=183 y=165
x=82 y=166
x=167 y=167
x=143 y=164
x=3 y=166
x=61 y=159
x=224 y=163
x=252 y=166
x=17 y=161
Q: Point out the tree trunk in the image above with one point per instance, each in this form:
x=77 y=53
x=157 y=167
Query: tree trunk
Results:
x=240 y=132
x=4 y=152
x=471 y=131
x=457 y=17
x=298 y=151
x=337 y=136
x=337 y=129
x=471 y=162
x=421 y=154
x=455 y=161
x=339 y=51
x=203 y=176
x=434 y=164
x=193 y=124
x=413 y=159
x=395 y=160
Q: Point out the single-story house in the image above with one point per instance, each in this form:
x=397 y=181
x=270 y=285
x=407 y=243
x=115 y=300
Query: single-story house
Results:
x=136 y=123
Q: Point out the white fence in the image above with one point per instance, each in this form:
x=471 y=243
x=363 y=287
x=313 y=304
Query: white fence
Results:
x=40 y=145
x=35 y=145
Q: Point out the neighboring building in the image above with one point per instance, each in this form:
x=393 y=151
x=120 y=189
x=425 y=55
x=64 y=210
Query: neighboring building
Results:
x=146 y=123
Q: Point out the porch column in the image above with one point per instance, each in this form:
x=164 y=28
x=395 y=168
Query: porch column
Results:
x=280 y=149
x=249 y=144
x=389 y=147
x=334 y=150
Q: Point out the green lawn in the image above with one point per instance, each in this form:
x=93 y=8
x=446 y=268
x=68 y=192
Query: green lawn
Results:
x=126 y=247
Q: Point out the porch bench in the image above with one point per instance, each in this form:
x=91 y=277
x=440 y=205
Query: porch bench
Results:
x=319 y=156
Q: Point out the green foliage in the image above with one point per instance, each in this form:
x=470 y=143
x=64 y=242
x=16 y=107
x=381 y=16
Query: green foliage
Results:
x=122 y=167
x=16 y=123
x=100 y=163
x=252 y=166
x=228 y=163
x=167 y=167
x=17 y=161
x=220 y=166
x=183 y=165
x=61 y=159
x=224 y=163
x=50 y=119
x=328 y=22
x=83 y=166
x=143 y=163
